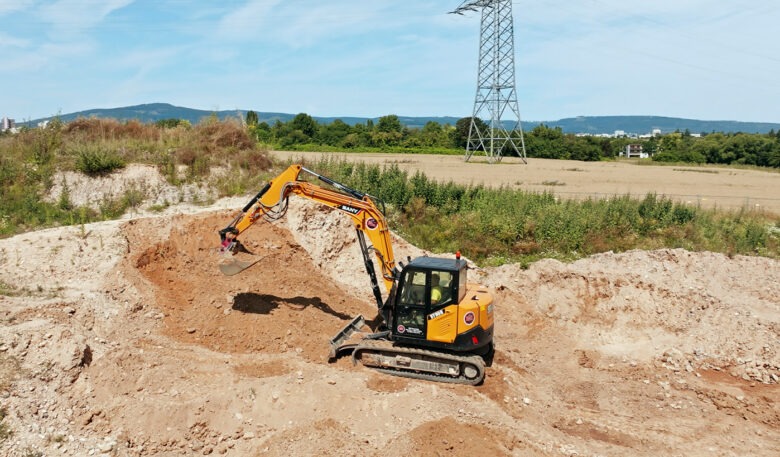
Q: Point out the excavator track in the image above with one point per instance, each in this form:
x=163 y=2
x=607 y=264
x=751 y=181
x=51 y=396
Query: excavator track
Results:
x=383 y=356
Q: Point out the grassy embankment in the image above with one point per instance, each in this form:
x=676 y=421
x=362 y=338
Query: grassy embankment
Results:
x=490 y=226
x=496 y=226
x=30 y=162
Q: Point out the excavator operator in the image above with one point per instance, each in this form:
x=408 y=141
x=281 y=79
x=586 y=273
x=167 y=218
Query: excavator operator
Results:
x=435 y=289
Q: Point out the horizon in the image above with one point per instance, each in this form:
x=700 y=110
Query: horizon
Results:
x=412 y=59
x=244 y=111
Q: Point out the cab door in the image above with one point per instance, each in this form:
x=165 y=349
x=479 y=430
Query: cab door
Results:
x=442 y=318
x=409 y=317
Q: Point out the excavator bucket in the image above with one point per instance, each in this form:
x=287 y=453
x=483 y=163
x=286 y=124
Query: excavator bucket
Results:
x=233 y=264
x=348 y=338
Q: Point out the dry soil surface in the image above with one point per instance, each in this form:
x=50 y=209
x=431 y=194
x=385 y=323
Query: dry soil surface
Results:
x=122 y=338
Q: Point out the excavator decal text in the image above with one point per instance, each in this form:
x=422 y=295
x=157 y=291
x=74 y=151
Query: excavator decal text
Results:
x=349 y=209
x=436 y=314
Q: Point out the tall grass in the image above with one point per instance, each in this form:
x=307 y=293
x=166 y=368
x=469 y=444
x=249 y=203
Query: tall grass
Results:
x=30 y=160
x=495 y=226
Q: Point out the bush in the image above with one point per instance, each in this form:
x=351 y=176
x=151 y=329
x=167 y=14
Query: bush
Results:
x=94 y=160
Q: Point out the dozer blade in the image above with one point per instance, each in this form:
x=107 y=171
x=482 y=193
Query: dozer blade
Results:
x=348 y=337
x=233 y=266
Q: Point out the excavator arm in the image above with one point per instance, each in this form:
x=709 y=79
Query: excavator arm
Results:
x=271 y=203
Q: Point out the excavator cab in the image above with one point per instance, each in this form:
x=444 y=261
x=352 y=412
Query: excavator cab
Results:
x=435 y=306
x=425 y=287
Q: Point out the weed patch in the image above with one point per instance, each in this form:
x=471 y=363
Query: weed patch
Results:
x=8 y=290
x=695 y=170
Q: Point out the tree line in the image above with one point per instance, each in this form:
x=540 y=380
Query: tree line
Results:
x=389 y=134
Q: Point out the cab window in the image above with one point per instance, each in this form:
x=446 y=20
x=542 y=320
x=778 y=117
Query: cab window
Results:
x=462 y=285
x=441 y=289
x=413 y=291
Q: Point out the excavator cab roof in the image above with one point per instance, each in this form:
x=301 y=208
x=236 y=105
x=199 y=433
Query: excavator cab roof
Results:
x=436 y=263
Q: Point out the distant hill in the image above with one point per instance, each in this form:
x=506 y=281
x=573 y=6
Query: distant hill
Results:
x=645 y=124
x=153 y=112
x=584 y=124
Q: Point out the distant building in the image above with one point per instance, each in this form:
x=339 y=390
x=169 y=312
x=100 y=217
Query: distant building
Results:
x=7 y=124
x=620 y=133
x=634 y=151
x=656 y=132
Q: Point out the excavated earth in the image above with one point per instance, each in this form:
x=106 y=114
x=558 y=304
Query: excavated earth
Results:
x=123 y=338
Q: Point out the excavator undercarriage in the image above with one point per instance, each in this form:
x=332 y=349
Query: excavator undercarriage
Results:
x=376 y=351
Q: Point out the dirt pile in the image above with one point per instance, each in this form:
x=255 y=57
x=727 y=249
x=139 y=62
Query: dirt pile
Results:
x=124 y=339
x=681 y=310
x=144 y=181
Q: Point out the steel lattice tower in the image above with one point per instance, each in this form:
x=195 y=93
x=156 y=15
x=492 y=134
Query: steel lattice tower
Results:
x=496 y=93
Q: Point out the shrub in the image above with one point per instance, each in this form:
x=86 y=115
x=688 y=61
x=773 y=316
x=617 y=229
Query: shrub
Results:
x=94 y=160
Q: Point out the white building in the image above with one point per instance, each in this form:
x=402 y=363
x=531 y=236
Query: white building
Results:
x=7 y=124
x=634 y=151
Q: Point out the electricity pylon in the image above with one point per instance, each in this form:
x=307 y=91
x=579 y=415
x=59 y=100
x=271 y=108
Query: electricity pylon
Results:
x=496 y=93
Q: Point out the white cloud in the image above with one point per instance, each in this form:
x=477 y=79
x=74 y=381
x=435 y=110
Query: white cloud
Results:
x=12 y=6
x=148 y=58
x=74 y=16
x=8 y=41
x=248 y=21
x=307 y=22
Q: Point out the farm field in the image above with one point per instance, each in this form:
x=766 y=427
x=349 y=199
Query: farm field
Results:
x=728 y=188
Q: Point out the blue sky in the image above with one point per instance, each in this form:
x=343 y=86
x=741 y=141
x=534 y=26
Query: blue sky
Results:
x=694 y=58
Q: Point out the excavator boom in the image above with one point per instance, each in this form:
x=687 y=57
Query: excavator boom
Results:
x=271 y=203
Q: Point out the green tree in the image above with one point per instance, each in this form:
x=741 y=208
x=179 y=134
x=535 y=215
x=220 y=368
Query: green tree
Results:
x=333 y=134
x=389 y=124
x=293 y=138
x=168 y=123
x=305 y=123
x=773 y=160
x=650 y=146
x=261 y=132
x=545 y=142
x=460 y=135
x=251 y=118
x=582 y=148
x=433 y=134
x=279 y=130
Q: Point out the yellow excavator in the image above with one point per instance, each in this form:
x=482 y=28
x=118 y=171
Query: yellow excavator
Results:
x=433 y=324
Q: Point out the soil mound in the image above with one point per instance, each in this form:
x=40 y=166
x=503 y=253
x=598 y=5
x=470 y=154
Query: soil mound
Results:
x=282 y=303
x=124 y=338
